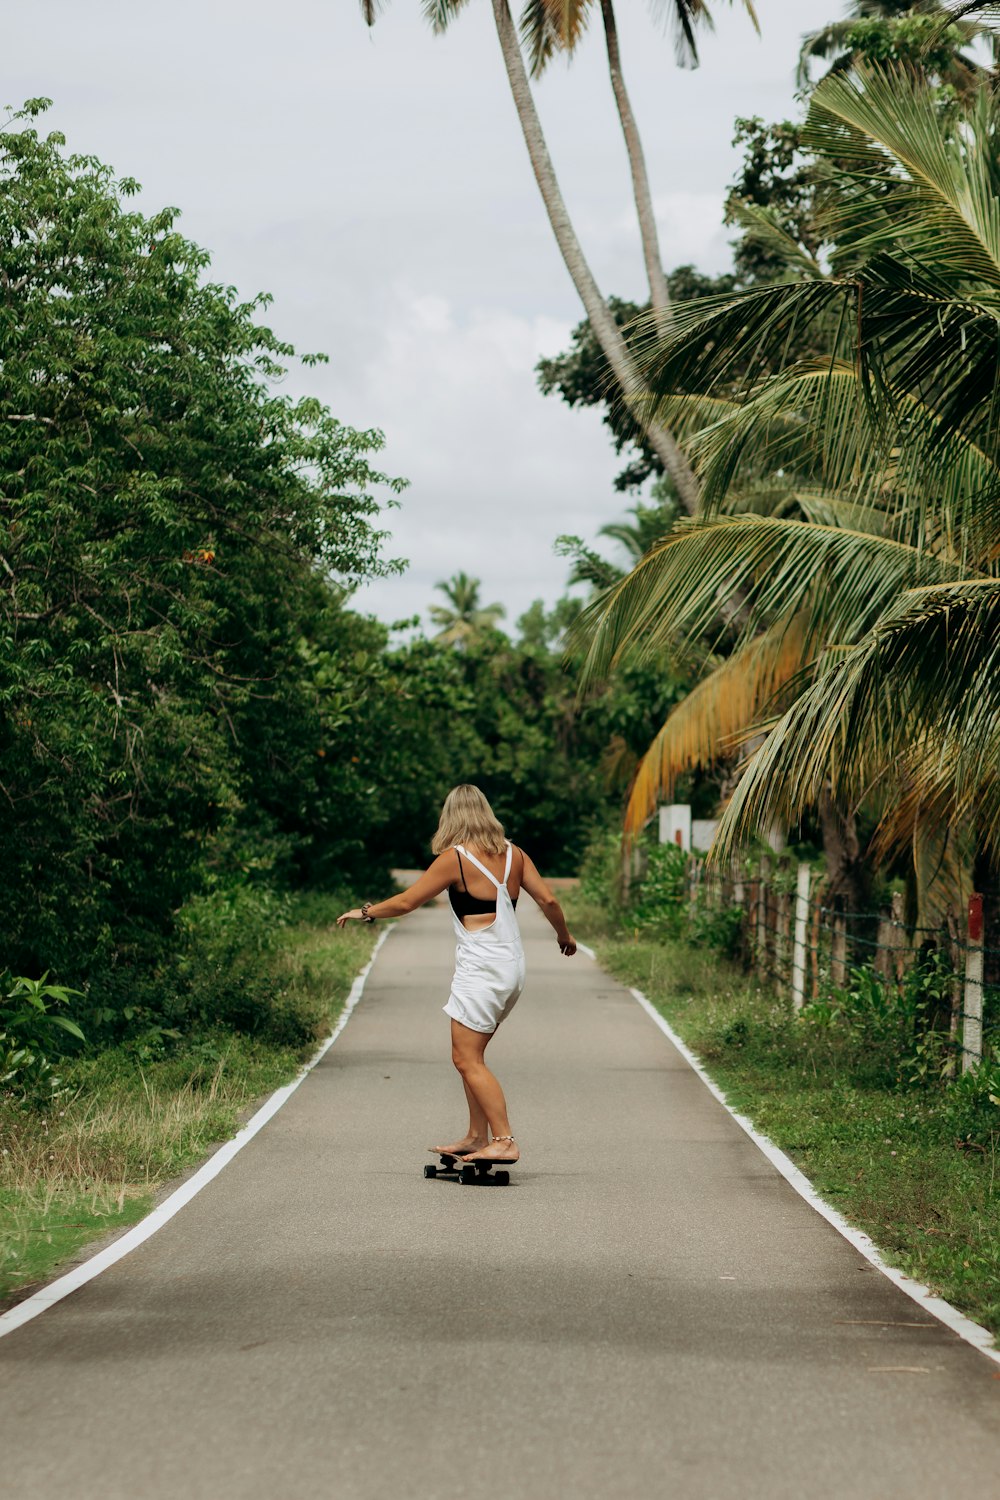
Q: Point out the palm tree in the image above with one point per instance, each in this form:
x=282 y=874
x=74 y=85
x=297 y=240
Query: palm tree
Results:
x=466 y=621
x=868 y=666
x=440 y=13
x=838 y=42
x=551 y=26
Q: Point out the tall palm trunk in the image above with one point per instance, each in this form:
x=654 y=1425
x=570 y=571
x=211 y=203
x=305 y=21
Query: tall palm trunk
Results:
x=605 y=328
x=658 y=293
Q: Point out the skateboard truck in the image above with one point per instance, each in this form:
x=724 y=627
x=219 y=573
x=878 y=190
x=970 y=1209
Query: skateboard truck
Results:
x=467 y=1171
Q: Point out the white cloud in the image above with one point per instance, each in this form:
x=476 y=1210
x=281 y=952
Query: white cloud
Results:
x=494 y=489
x=377 y=184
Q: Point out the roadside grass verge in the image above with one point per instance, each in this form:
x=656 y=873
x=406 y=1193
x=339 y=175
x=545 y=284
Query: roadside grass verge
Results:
x=903 y=1163
x=128 y=1122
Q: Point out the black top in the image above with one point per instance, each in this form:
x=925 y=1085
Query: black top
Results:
x=464 y=904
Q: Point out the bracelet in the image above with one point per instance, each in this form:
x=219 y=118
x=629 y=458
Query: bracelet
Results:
x=364 y=912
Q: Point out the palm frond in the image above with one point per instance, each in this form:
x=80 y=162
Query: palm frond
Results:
x=830 y=508
x=990 y=9
x=735 y=337
x=935 y=189
x=927 y=674
x=440 y=13
x=719 y=710
x=809 y=420
x=817 y=423
x=843 y=579
x=550 y=26
x=915 y=411
x=761 y=226
x=683 y=17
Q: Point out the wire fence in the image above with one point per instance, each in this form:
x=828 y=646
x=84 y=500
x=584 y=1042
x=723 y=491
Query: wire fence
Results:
x=787 y=929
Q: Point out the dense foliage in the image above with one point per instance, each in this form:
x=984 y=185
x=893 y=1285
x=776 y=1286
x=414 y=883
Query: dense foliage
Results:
x=174 y=542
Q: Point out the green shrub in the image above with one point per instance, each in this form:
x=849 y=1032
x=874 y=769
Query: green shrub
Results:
x=31 y=1033
x=717 y=927
x=660 y=898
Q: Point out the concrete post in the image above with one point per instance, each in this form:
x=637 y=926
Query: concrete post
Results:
x=972 y=1002
x=799 y=942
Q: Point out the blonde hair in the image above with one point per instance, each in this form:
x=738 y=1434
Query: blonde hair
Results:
x=467 y=818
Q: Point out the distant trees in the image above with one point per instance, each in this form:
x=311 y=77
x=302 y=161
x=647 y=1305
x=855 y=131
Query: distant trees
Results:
x=463 y=619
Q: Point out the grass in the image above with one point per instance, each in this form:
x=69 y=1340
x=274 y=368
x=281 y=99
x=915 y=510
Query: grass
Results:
x=128 y=1123
x=916 y=1167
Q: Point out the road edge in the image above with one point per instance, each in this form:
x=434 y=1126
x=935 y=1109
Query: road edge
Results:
x=970 y=1332
x=55 y=1291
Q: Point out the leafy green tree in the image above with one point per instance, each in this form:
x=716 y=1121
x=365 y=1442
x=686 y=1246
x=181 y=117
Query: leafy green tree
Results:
x=546 y=630
x=169 y=527
x=773 y=201
x=923 y=34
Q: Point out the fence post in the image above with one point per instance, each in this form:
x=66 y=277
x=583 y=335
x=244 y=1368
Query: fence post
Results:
x=972 y=1003
x=814 y=940
x=838 y=947
x=898 y=940
x=762 y=898
x=799 y=944
x=883 y=944
x=783 y=921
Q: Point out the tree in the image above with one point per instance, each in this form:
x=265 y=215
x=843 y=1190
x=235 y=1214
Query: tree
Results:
x=580 y=374
x=466 y=619
x=867 y=665
x=169 y=529
x=774 y=194
x=549 y=27
x=604 y=326
x=924 y=34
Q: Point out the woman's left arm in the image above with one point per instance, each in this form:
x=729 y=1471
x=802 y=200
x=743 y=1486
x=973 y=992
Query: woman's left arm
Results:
x=435 y=879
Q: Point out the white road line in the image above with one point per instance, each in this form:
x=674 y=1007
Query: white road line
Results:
x=971 y=1332
x=164 y=1212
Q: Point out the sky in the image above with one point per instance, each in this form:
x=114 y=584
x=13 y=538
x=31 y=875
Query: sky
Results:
x=376 y=183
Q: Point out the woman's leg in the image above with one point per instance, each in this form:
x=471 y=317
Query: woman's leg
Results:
x=478 y=1123
x=477 y=1134
x=467 y=1048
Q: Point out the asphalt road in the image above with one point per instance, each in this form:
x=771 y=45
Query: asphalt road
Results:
x=647 y=1311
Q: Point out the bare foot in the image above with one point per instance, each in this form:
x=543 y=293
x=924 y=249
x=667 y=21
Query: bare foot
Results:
x=467 y=1143
x=504 y=1149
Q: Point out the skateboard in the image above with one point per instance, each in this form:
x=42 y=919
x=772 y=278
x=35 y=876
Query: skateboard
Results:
x=467 y=1171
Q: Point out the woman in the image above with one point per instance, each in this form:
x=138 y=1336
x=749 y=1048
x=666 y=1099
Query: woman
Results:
x=483 y=874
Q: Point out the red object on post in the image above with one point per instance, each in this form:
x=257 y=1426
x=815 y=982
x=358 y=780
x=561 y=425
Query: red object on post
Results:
x=975 y=919
x=678 y=838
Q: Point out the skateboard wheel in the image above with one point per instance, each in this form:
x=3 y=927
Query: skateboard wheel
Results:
x=430 y=1171
x=467 y=1174
x=502 y=1179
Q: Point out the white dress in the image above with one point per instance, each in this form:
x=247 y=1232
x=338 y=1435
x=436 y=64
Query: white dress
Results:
x=489 y=961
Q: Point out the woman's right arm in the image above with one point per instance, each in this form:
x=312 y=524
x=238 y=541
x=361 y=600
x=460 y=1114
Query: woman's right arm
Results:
x=547 y=904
